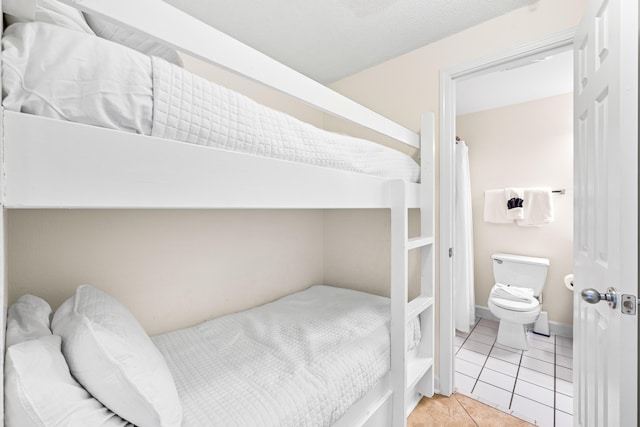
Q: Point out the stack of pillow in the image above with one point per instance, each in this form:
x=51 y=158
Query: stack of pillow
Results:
x=92 y=365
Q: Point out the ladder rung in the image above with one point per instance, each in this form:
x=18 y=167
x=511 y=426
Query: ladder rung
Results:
x=419 y=242
x=417 y=306
x=416 y=369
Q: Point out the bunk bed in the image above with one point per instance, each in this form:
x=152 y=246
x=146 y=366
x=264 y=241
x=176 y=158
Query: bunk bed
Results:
x=51 y=163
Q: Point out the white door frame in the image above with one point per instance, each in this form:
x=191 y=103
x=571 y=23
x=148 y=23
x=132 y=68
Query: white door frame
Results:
x=556 y=42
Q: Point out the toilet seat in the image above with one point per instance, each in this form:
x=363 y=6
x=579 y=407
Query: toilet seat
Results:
x=512 y=305
x=515 y=305
x=520 y=317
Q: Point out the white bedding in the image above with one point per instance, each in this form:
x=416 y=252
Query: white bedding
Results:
x=300 y=361
x=65 y=74
x=79 y=78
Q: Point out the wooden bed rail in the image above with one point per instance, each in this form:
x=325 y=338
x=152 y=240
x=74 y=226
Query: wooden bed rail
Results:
x=170 y=25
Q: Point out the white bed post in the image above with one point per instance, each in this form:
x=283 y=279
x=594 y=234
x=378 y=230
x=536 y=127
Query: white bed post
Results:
x=3 y=253
x=424 y=302
x=412 y=373
x=399 y=295
x=4 y=294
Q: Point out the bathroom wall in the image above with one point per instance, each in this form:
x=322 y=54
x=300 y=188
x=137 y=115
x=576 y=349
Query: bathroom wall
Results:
x=524 y=145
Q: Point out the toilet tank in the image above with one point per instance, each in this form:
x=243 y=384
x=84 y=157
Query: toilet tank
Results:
x=521 y=271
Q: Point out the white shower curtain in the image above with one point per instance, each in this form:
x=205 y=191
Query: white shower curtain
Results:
x=464 y=299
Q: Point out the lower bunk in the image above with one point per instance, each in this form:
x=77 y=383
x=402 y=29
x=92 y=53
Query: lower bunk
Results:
x=318 y=357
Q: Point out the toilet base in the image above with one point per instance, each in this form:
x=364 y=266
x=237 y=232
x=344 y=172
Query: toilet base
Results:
x=513 y=335
x=541 y=327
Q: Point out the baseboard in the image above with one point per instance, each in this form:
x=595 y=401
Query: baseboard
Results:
x=555 y=328
x=561 y=329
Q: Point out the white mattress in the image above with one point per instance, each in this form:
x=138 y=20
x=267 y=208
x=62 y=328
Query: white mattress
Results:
x=70 y=75
x=300 y=361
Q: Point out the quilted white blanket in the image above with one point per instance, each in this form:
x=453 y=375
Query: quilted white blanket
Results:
x=191 y=109
x=300 y=361
x=119 y=88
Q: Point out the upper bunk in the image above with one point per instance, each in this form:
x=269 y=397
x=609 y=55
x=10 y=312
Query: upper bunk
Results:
x=51 y=163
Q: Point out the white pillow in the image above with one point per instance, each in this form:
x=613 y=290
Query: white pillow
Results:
x=50 y=11
x=55 y=72
x=110 y=354
x=132 y=39
x=29 y=318
x=39 y=390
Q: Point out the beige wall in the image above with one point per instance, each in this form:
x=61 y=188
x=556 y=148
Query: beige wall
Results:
x=174 y=268
x=347 y=264
x=404 y=87
x=171 y=268
x=524 y=145
x=256 y=91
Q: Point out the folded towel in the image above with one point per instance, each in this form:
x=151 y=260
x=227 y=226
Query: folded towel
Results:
x=514 y=198
x=538 y=207
x=512 y=293
x=495 y=208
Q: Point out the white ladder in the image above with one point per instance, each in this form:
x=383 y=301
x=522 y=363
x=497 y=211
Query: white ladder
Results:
x=412 y=371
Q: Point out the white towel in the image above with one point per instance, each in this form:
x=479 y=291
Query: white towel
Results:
x=538 y=207
x=495 y=208
x=512 y=293
x=514 y=197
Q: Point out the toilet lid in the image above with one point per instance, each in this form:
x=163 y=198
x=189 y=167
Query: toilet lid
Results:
x=515 y=305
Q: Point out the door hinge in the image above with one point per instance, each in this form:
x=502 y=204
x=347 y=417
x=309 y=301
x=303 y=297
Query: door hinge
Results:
x=629 y=304
x=450 y=252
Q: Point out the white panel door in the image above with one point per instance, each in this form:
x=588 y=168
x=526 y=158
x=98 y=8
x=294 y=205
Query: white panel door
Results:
x=606 y=213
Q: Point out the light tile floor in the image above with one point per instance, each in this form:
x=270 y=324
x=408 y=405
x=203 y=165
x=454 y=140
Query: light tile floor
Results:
x=533 y=385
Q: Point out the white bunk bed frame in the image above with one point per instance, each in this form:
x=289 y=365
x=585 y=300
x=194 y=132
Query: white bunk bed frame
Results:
x=55 y=164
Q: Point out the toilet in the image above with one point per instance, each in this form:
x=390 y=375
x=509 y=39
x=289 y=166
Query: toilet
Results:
x=521 y=272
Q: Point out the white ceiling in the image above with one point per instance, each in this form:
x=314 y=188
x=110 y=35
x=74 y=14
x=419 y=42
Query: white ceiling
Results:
x=331 y=39
x=539 y=77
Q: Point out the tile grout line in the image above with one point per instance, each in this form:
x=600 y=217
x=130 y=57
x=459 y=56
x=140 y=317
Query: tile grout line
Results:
x=485 y=361
x=516 y=381
x=467 y=337
x=483 y=365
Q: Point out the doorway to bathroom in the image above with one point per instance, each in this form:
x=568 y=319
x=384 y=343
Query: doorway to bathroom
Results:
x=514 y=113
